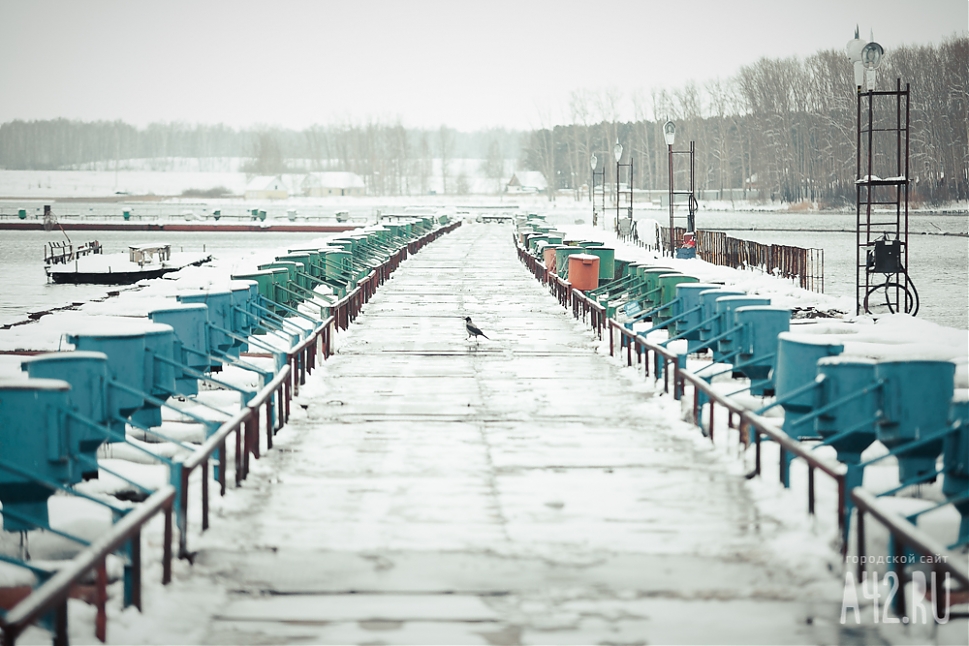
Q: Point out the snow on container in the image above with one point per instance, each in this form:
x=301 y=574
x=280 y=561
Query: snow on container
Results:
x=916 y=397
x=584 y=271
x=31 y=440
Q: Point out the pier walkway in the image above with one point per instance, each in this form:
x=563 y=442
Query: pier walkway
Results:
x=521 y=489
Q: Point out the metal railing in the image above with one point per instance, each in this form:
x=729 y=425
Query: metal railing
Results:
x=50 y=598
x=666 y=365
x=907 y=536
x=803 y=266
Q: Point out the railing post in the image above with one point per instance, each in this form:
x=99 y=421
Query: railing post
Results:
x=205 y=494
x=167 y=547
x=810 y=490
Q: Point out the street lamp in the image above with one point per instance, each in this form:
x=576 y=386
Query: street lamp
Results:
x=617 y=152
x=669 y=132
x=592 y=188
x=871 y=58
x=853 y=50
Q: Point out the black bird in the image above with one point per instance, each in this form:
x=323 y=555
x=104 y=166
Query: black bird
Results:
x=473 y=330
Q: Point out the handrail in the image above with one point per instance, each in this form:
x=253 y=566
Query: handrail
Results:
x=52 y=595
x=906 y=535
x=55 y=590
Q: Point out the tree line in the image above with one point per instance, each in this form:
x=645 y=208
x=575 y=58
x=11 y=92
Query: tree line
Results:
x=392 y=159
x=786 y=127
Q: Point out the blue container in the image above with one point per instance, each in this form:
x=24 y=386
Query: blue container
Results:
x=189 y=325
x=797 y=358
x=758 y=343
x=32 y=439
x=220 y=316
x=955 y=464
x=126 y=365
x=708 y=313
x=842 y=376
x=687 y=299
x=243 y=320
x=916 y=397
x=87 y=372
x=726 y=306
x=160 y=374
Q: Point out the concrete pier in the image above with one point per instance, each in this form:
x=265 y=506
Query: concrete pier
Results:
x=517 y=489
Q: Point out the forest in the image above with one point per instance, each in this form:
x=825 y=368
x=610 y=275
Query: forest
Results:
x=786 y=127
x=783 y=128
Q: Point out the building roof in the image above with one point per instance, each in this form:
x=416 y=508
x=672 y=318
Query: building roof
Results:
x=266 y=183
x=529 y=178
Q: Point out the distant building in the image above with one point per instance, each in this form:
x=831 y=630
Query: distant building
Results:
x=527 y=181
x=333 y=183
x=267 y=187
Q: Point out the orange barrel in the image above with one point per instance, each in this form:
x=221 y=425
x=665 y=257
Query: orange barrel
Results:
x=584 y=271
x=548 y=256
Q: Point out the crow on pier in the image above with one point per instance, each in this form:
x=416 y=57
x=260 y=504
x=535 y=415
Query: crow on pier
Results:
x=473 y=330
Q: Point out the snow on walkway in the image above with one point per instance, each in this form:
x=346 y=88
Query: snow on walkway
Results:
x=431 y=489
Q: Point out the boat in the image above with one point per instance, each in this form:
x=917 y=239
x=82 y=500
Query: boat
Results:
x=88 y=264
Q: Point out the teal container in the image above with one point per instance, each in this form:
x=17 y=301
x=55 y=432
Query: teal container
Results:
x=607 y=262
x=726 y=306
x=87 y=372
x=22 y=214
x=651 y=288
x=758 y=344
x=32 y=438
x=667 y=294
x=797 y=367
x=916 y=397
x=588 y=244
x=189 y=323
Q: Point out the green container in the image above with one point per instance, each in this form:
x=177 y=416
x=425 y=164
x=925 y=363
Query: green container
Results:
x=667 y=285
x=607 y=262
x=316 y=263
x=561 y=260
x=306 y=267
x=264 y=282
x=126 y=215
x=591 y=243
x=339 y=266
x=533 y=241
x=22 y=214
x=651 y=295
x=284 y=275
x=217 y=214
x=262 y=216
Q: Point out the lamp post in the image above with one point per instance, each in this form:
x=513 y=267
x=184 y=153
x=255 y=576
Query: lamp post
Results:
x=592 y=190
x=871 y=58
x=669 y=133
x=617 y=152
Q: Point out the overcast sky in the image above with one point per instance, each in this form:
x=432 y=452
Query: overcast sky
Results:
x=467 y=64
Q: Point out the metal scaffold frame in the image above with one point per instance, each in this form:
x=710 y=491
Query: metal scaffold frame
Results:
x=882 y=283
